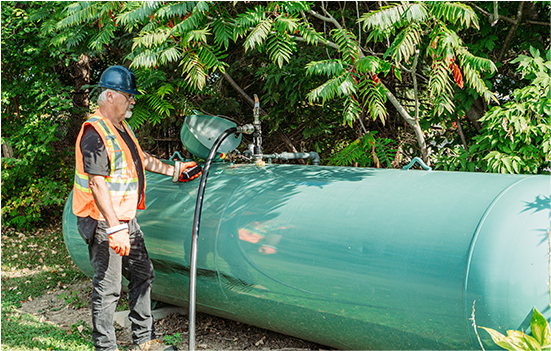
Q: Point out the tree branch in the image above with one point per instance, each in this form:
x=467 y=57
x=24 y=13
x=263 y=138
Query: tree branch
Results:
x=511 y=33
x=495 y=17
x=289 y=144
x=415 y=90
x=327 y=42
x=538 y=23
x=330 y=18
x=490 y=15
x=462 y=135
x=241 y=92
x=413 y=122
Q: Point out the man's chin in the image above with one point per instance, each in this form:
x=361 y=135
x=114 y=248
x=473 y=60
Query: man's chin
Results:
x=128 y=114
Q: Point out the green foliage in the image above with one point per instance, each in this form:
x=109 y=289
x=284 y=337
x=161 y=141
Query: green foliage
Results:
x=454 y=158
x=195 y=36
x=490 y=41
x=472 y=68
x=34 y=182
x=258 y=34
x=456 y=13
x=374 y=96
x=284 y=95
x=35 y=106
x=403 y=47
x=280 y=49
x=348 y=46
x=366 y=152
x=516 y=137
x=162 y=34
x=340 y=85
x=173 y=340
x=192 y=35
x=440 y=88
x=519 y=340
x=74 y=299
x=388 y=19
x=408 y=29
x=343 y=79
x=414 y=25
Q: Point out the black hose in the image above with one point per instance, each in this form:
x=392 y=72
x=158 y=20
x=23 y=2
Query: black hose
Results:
x=195 y=234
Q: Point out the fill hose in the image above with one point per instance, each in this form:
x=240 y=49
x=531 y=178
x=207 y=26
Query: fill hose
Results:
x=248 y=129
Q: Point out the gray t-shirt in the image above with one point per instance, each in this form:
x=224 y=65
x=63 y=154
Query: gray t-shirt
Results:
x=96 y=161
x=94 y=155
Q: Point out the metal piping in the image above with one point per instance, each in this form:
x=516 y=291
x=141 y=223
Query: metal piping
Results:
x=296 y=155
x=255 y=149
x=257 y=136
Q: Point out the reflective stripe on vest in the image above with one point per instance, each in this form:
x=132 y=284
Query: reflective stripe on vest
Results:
x=115 y=183
x=122 y=182
x=119 y=161
x=116 y=186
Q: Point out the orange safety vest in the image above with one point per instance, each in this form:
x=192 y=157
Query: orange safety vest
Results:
x=123 y=180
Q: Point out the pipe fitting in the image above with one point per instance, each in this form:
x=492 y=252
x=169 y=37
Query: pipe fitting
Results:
x=246 y=129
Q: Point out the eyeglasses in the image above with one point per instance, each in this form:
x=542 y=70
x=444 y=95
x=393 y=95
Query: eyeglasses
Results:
x=127 y=96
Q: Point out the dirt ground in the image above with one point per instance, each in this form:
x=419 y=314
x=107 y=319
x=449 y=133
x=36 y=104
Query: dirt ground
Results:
x=212 y=333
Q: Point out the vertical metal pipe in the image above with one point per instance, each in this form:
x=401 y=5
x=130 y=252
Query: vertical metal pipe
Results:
x=257 y=136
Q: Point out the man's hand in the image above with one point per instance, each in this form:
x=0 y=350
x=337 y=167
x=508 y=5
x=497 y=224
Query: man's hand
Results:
x=186 y=171
x=120 y=242
x=180 y=172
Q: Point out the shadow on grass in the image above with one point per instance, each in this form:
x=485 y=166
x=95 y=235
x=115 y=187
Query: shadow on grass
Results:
x=27 y=332
x=32 y=264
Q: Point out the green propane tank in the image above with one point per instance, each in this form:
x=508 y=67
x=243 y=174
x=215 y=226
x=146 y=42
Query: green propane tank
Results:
x=353 y=258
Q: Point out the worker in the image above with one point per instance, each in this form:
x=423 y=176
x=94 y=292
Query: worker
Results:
x=109 y=187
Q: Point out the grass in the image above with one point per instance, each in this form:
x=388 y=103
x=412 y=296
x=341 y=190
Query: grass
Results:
x=33 y=263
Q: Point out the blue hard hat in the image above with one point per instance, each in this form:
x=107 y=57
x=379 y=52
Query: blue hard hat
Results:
x=119 y=78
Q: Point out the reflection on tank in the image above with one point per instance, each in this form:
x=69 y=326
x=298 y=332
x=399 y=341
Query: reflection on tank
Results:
x=352 y=258
x=263 y=234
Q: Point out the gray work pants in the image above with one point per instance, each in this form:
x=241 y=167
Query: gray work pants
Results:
x=108 y=267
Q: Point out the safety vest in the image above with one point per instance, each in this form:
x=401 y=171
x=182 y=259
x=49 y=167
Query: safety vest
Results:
x=123 y=180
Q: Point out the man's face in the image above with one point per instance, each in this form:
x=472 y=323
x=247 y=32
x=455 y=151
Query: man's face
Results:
x=130 y=104
x=124 y=103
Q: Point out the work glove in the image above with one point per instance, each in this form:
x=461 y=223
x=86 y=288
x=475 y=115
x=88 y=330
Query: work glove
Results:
x=186 y=171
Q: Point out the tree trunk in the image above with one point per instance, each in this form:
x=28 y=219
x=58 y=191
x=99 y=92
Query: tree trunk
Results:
x=511 y=34
x=7 y=150
x=476 y=111
x=80 y=71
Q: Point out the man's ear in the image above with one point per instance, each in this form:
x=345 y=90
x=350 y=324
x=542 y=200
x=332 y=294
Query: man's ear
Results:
x=109 y=96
